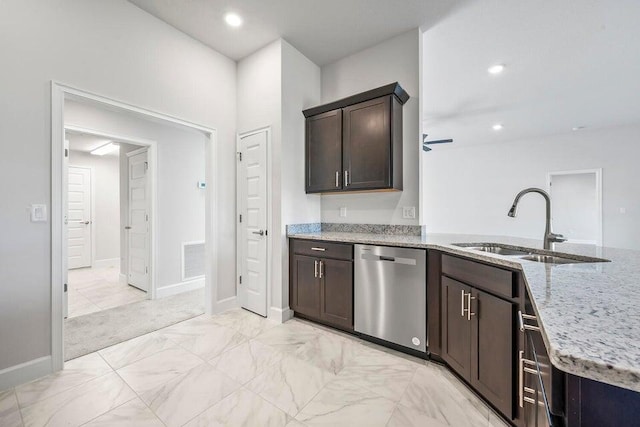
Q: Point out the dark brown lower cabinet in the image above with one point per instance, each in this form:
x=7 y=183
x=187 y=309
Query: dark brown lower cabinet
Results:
x=456 y=329
x=321 y=289
x=477 y=341
x=492 y=347
x=305 y=298
x=336 y=292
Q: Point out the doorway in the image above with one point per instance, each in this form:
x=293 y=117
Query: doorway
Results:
x=577 y=205
x=209 y=299
x=253 y=207
x=97 y=187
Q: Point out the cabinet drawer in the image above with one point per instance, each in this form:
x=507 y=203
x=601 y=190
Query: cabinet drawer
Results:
x=483 y=276
x=323 y=249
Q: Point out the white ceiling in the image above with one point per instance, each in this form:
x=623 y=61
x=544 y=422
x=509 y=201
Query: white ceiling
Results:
x=83 y=142
x=569 y=63
x=323 y=30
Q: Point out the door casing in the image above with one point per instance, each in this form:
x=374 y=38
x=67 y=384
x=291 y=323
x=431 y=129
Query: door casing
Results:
x=60 y=92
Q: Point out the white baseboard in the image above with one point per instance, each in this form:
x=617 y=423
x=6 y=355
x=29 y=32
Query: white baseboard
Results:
x=225 y=304
x=280 y=315
x=178 y=288
x=123 y=279
x=106 y=263
x=25 y=372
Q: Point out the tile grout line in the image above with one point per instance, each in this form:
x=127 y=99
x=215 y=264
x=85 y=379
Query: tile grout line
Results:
x=140 y=398
x=15 y=395
x=61 y=391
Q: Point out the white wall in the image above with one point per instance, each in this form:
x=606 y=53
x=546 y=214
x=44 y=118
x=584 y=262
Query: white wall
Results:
x=117 y=50
x=469 y=189
x=181 y=204
x=274 y=85
x=300 y=90
x=106 y=201
x=260 y=105
x=396 y=59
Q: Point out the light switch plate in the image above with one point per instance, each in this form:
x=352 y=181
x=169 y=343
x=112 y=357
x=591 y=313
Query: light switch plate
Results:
x=409 y=212
x=343 y=212
x=38 y=213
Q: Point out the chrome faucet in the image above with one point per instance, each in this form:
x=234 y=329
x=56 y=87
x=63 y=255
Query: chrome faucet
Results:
x=549 y=236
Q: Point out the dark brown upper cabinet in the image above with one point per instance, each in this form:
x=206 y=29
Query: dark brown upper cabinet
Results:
x=324 y=152
x=355 y=144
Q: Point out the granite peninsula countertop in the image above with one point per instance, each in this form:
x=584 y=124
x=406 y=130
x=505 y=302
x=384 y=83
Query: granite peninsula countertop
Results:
x=589 y=313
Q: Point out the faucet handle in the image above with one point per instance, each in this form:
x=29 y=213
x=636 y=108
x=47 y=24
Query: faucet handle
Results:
x=558 y=238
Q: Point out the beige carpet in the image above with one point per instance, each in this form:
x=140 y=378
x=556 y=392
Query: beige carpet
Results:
x=95 y=331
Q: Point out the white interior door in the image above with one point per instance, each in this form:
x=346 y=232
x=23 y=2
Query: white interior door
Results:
x=252 y=228
x=79 y=217
x=138 y=228
x=577 y=208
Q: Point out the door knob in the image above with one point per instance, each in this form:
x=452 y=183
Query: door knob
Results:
x=87 y=222
x=260 y=233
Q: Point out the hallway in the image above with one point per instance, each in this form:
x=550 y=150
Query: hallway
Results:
x=96 y=289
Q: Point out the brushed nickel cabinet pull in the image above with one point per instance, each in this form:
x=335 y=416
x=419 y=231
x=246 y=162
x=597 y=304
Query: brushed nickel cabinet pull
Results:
x=337 y=179
x=318 y=249
x=321 y=269
x=521 y=378
x=469 y=312
x=315 y=268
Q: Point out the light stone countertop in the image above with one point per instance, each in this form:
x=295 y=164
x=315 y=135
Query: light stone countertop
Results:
x=589 y=313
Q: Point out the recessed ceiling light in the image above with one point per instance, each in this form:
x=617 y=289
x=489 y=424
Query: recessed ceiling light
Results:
x=233 y=20
x=578 y=128
x=497 y=126
x=496 y=69
x=105 y=149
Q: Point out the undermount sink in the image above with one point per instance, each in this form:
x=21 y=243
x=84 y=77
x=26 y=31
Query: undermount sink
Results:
x=527 y=254
x=551 y=259
x=499 y=250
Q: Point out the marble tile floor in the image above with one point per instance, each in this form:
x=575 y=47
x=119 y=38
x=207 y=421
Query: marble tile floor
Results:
x=95 y=289
x=238 y=369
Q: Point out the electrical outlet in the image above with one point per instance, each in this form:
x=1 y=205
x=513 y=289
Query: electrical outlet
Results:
x=409 y=212
x=343 y=212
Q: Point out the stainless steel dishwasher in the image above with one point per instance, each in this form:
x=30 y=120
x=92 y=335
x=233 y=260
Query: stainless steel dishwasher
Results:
x=390 y=300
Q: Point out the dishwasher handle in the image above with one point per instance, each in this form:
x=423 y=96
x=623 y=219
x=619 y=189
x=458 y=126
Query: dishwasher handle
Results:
x=395 y=260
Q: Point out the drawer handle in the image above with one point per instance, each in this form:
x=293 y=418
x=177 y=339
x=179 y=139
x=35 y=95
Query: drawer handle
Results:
x=522 y=317
x=318 y=249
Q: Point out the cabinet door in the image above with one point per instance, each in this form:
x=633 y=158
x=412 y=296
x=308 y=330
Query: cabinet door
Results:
x=456 y=327
x=493 y=350
x=336 y=300
x=306 y=286
x=324 y=152
x=367 y=144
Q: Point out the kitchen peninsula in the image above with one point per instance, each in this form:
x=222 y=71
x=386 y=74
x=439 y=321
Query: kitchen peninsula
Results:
x=584 y=310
